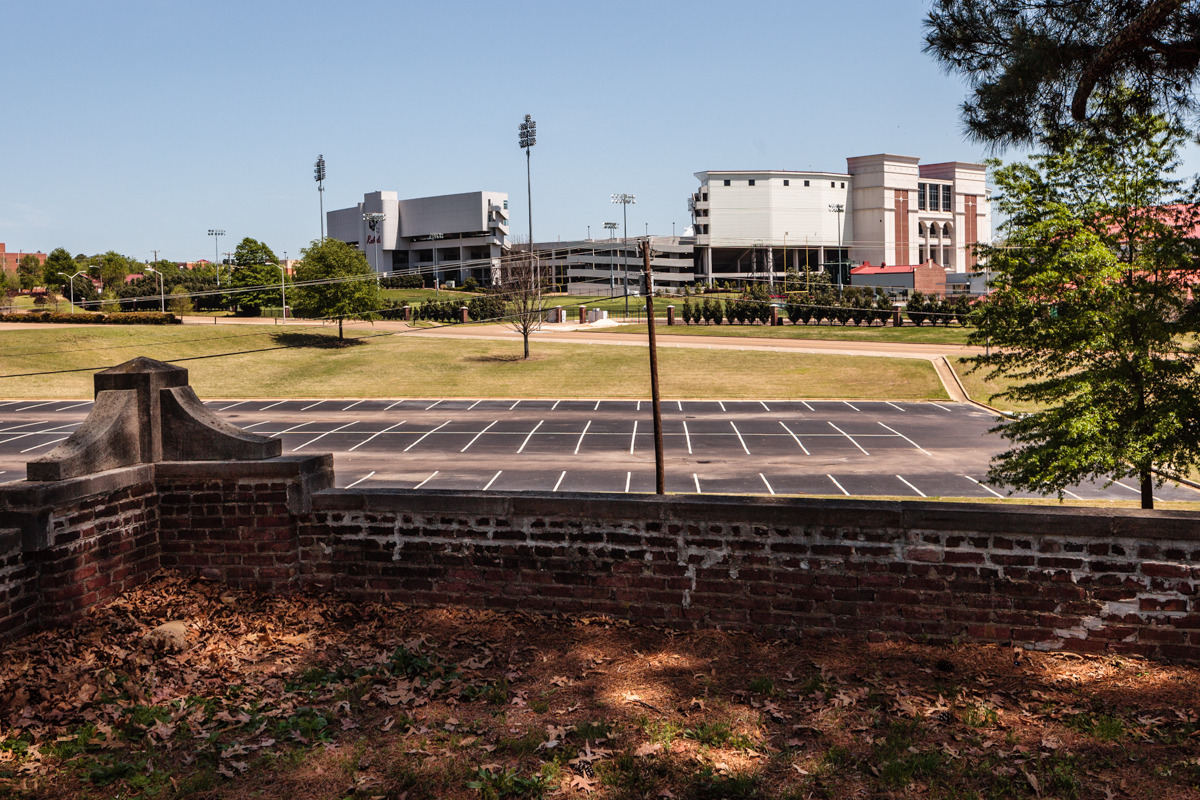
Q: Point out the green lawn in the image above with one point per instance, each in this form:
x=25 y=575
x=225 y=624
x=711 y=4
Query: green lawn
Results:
x=849 y=333
x=310 y=363
x=983 y=390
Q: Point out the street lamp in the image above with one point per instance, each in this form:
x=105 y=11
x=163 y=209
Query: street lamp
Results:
x=162 y=294
x=626 y=200
x=838 y=208
x=72 y=278
x=611 y=227
x=527 y=139
x=319 y=177
x=373 y=218
x=217 y=234
x=282 y=287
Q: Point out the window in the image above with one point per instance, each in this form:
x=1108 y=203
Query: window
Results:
x=752 y=181
x=843 y=186
x=947 y=199
x=786 y=182
x=727 y=181
x=921 y=230
x=933 y=196
x=832 y=184
x=806 y=183
x=506 y=205
x=920 y=197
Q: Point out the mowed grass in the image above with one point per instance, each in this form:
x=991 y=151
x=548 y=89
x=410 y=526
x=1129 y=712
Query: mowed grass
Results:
x=983 y=390
x=850 y=333
x=264 y=361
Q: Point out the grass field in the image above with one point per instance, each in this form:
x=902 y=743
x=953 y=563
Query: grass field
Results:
x=983 y=390
x=849 y=333
x=265 y=361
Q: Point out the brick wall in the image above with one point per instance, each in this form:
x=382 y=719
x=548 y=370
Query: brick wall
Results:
x=18 y=587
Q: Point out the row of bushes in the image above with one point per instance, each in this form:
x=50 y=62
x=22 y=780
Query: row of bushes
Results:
x=483 y=307
x=859 y=306
x=921 y=309
x=116 y=318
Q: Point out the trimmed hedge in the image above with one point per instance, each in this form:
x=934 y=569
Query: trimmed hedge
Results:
x=116 y=318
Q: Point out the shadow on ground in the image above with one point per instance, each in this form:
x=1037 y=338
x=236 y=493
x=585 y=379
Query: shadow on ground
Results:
x=327 y=341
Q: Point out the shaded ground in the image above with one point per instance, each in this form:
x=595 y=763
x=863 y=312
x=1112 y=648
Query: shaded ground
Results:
x=315 y=697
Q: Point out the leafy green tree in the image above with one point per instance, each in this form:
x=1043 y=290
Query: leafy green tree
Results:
x=114 y=267
x=58 y=261
x=1035 y=66
x=254 y=267
x=340 y=284
x=1092 y=317
x=29 y=271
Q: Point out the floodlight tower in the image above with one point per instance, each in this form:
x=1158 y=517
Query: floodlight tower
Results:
x=319 y=176
x=611 y=227
x=839 y=209
x=373 y=218
x=527 y=139
x=626 y=200
x=217 y=234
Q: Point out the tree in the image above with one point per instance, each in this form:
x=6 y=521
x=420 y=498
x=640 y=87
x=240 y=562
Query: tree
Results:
x=523 y=287
x=1034 y=66
x=340 y=283
x=114 y=267
x=29 y=271
x=1091 y=315
x=58 y=261
x=254 y=264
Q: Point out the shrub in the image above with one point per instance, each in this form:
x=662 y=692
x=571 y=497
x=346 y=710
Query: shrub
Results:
x=488 y=306
x=402 y=282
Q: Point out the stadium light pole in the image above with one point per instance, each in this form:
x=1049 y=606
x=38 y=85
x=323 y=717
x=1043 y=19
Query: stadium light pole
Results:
x=626 y=200
x=162 y=294
x=217 y=234
x=611 y=227
x=527 y=139
x=319 y=177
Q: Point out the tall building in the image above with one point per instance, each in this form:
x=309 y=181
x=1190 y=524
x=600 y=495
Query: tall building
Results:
x=9 y=260
x=885 y=209
x=449 y=237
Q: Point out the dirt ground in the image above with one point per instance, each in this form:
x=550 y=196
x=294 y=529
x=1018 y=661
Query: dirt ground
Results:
x=184 y=688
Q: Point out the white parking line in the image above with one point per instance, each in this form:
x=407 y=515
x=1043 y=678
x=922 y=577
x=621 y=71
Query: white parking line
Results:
x=1072 y=494
x=22 y=425
x=277 y=403
x=373 y=435
x=360 y=480
x=633 y=439
x=764 y=405
x=639 y=406
x=418 y=441
x=797 y=438
x=722 y=405
x=905 y=438
x=477 y=402
x=556 y=402
x=852 y=408
x=835 y=483
x=398 y=402
x=322 y=436
x=806 y=405
x=1126 y=486
x=256 y=424
x=35 y=405
x=45 y=444
x=893 y=405
x=493 y=480
x=352 y=405
x=427 y=480
x=314 y=405
x=983 y=486
x=942 y=407
x=580 y=442
x=514 y=405
x=521 y=449
x=77 y=405
x=234 y=405
x=435 y=402
x=597 y=408
x=687 y=436
x=481 y=433
x=767 y=482
x=696 y=478
x=739 y=435
x=280 y=433
x=55 y=429
x=628 y=478
x=909 y=485
x=680 y=404
x=558 y=483
x=848 y=436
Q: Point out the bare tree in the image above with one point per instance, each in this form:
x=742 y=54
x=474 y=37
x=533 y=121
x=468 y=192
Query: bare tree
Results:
x=523 y=287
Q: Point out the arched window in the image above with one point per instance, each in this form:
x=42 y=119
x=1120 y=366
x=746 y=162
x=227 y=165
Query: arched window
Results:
x=933 y=230
x=920 y=229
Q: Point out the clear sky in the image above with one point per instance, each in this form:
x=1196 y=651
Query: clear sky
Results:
x=136 y=125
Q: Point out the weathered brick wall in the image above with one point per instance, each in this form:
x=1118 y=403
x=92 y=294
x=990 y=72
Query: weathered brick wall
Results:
x=18 y=587
x=238 y=521
x=1077 y=579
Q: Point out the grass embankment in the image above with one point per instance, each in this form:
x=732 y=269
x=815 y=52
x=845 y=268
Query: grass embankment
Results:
x=267 y=361
x=983 y=390
x=908 y=335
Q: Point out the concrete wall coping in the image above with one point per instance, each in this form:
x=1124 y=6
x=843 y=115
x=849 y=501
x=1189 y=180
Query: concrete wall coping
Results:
x=974 y=518
x=278 y=467
x=22 y=495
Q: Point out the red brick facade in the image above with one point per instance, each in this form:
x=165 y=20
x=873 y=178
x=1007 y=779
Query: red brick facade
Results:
x=9 y=260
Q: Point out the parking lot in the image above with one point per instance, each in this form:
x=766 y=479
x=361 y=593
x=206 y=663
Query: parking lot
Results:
x=861 y=449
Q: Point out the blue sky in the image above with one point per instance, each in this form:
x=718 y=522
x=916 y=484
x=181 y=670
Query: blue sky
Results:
x=136 y=125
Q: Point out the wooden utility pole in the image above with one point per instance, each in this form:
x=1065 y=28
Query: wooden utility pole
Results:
x=659 y=471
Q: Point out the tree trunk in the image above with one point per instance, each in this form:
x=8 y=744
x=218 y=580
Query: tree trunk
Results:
x=339 y=328
x=525 y=336
x=1147 y=490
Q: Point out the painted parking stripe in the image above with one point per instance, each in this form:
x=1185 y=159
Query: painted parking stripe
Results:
x=628 y=478
x=806 y=405
x=234 y=405
x=322 y=436
x=722 y=405
x=55 y=429
x=476 y=436
x=639 y=406
x=909 y=485
x=77 y=405
x=477 y=402
x=797 y=438
x=942 y=407
x=580 y=442
x=633 y=439
x=418 y=441
x=680 y=404
x=373 y=435
x=1072 y=494
x=764 y=405
x=835 y=483
x=360 y=480
x=1127 y=486
x=427 y=480
x=352 y=405
x=289 y=430
x=556 y=402
x=687 y=436
x=18 y=426
x=739 y=435
x=514 y=405
x=45 y=444
x=256 y=424
x=851 y=438
x=984 y=486
x=521 y=449
x=35 y=405
x=893 y=405
x=696 y=478
x=493 y=480
x=277 y=403
x=435 y=402
x=597 y=408
x=905 y=438
x=767 y=482
x=314 y=405
x=558 y=483
x=852 y=408
x=393 y=405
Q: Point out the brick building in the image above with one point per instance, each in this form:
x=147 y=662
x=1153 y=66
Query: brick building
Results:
x=10 y=259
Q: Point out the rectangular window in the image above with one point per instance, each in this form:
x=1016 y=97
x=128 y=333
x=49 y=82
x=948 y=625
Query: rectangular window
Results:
x=920 y=197
x=947 y=199
x=506 y=205
x=786 y=182
x=843 y=186
x=752 y=181
x=806 y=183
x=727 y=181
x=832 y=184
